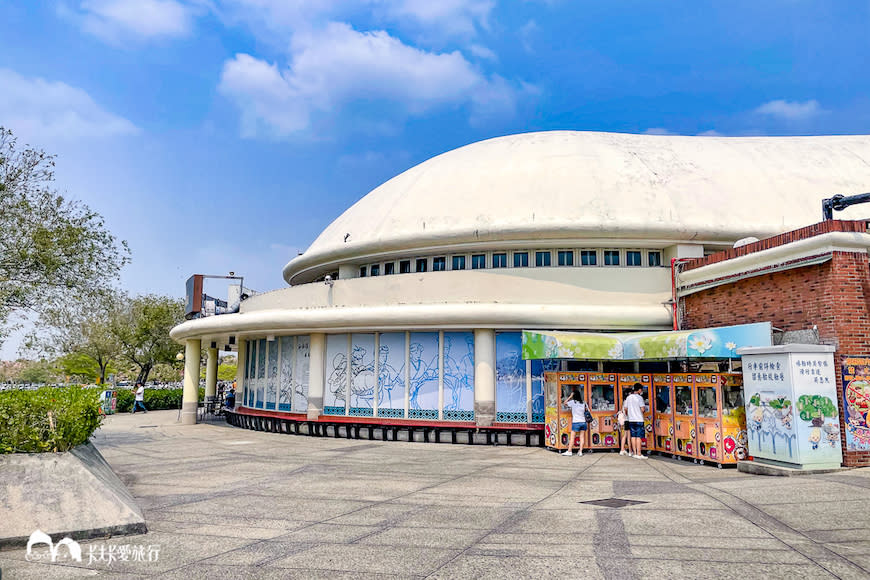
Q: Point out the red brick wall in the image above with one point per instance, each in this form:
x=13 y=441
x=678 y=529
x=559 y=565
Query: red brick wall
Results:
x=833 y=296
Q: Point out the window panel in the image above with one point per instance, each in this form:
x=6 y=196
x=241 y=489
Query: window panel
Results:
x=439 y=264
x=300 y=374
x=654 y=258
x=362 y=272
x=458 y=263
x=421 y=264
x=478 y=261
x=423 y=380
x=566 y=258
x=510 y=386
x=389 y=268
x=405 y=267
x=633 y=258
x=521 y=259
x=334 y=396
x=542 y=259
x=376 y=269
x=459 y=376
x=589 y=257
x=499 y=260
x=391 y=374
x=611 y=257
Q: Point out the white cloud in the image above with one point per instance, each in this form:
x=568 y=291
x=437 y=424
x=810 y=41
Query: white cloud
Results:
x=482 y=52
x=657 y=131
x=116 y=21
x=37 y=108
x=339 y=65
x=442 y=18
x=790 y=110
x=527 y=33
x=710 y=133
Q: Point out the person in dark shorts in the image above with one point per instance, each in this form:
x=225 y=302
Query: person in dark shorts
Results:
x=634 y=407
x=578 y=420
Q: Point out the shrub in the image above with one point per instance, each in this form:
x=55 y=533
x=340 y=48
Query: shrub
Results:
x=155 y=399
x=47 y=419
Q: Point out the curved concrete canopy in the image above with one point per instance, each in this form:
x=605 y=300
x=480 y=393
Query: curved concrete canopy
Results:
x=584 y=185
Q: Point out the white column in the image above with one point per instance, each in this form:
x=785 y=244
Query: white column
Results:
x=211 y=368
x=484 y=376
x=316 y=358
x=190 y=395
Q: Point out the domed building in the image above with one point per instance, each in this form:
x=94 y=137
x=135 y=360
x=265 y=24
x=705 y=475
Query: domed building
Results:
x=410 y=305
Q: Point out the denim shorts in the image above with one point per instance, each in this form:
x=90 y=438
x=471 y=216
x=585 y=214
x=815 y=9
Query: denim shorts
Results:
x=578 y=426
x=635 y=428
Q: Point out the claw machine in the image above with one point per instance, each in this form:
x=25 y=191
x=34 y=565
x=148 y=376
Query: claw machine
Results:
x=626 y=382
x=684 y=416
x=601 y=397
x=557 y=420
x=733 y=419
x=707 y=418
x=663 y=413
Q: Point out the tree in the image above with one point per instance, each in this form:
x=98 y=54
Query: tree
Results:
x=37 y=372
x=53 y=252
x=82 y=332
x=141 y=326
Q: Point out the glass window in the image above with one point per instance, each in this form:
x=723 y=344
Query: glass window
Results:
x=510 y=376
x=663 y=398
x=389 y=268
x=376 y=269
x=542 y=259
x=632 y=258
x=458 y=263
x=707 y=402
x=566 y=258
x=521 y=259
x=732 y=400
x=391 y=374
x=499 y=260
x=405 y=267
x=362 y=271
x=478 y=261
x=611 y=257
x=654 y=258
x=684 y=399
x=439 y=264
x=421 y=264
x=602 y=397
x=588 y=257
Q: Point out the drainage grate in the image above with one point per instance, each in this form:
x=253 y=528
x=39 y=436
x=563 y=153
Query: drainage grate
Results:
x=613 y=502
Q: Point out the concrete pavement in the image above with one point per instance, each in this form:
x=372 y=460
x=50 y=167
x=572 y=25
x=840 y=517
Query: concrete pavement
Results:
x=221 y=502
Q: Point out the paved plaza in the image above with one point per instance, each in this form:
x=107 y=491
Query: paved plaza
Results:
x=222 y=502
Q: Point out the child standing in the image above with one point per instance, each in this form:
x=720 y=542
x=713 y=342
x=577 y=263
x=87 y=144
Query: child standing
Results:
x=578 y=420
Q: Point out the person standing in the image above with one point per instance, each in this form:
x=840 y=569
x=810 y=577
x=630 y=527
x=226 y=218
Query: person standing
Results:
x=634 y=407
x=623 y=432
x=578 y=420
x=139 y=403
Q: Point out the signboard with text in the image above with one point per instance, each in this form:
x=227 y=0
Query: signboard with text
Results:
x=856 y=398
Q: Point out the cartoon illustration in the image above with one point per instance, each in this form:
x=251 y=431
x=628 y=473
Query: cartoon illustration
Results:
x=421 y=372
x=388 y=378
x=771 y=419
x=458 y=374
x=511 y=377
x=338 y=379
x=815 y=437
x=362 y=382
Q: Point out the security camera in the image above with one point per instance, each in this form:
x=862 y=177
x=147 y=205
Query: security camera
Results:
x=328 y=280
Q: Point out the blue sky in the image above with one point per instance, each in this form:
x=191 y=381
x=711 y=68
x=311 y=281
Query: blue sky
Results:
x=219 y=135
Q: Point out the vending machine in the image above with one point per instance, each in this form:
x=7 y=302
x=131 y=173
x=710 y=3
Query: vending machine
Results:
x=663 y=413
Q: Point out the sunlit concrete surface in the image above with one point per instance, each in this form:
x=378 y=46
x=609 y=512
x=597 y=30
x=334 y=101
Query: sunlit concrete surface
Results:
x=222 y=502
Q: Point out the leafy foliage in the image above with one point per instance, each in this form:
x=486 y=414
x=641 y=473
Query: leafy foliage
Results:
x=47 y=419
x=155 y=399
x=780 y=403
x=815 y=407
x=141 y=327
x=53 y=252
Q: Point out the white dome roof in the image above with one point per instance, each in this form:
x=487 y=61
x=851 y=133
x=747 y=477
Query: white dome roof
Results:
x=581 y=185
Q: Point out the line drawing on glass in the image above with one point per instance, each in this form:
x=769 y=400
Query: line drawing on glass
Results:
x=362 y=368
x=272 y=377
x=422 y=372
x=510 y=372
x=285 y=393
x=300 y=375
x=539 y=367
x=261 y=371
x=338 y=379
x=458 y=373
x=388 y=378
x=391 y=371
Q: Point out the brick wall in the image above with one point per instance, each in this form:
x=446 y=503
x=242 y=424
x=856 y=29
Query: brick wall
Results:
x=833 y=296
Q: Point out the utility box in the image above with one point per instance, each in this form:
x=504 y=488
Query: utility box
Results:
x=109 y=401
x=790 y=393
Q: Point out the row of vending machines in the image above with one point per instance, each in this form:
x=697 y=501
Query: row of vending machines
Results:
x=700 y=416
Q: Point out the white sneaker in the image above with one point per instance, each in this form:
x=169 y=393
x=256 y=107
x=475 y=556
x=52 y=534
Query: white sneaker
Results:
x=579 y=453
x=639 y=456
x=623 y=452
x=567 y=453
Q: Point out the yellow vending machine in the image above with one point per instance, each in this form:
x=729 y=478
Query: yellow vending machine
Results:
x=708 y=418
x=684 y=416
x=557 y=421
x=626 y=382
x=663 y=413
x=601 y=398
x=733 y=419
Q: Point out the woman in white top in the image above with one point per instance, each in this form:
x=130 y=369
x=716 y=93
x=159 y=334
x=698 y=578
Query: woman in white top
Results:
x=578 y=420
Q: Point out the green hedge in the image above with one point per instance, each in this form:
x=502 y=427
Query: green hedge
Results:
x=155 y=399
x=47 y=419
